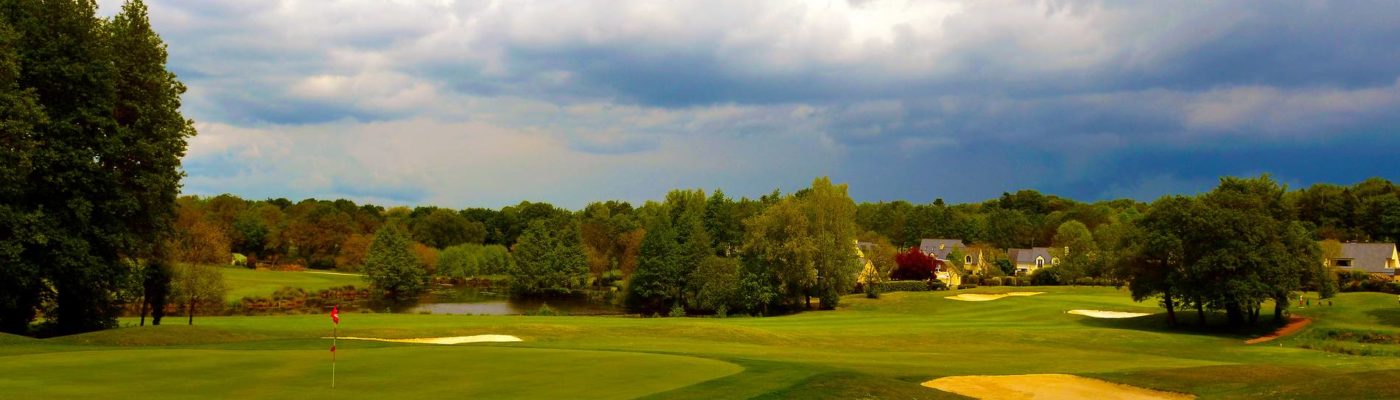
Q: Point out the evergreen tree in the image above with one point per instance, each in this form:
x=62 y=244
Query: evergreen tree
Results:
x=549 y=258
x=391 y=267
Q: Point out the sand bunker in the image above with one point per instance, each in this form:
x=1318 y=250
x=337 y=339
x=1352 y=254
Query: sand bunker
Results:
x=989 y=296
x=445 y=340
x=1107 y=314
x=1045 y=386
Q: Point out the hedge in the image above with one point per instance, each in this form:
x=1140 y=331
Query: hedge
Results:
x=908 y=286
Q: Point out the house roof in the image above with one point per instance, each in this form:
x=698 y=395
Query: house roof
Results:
x=1027 y=256
x=1369 y=257
x=941 y=247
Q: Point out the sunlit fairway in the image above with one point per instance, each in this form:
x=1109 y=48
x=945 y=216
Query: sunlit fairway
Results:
x=869 y=348
x=244 y=282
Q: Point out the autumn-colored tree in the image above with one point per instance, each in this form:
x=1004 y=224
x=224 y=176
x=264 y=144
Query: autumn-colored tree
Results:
x=315 y=230
x=353 y=252
x=426 y=256
x=914 y=265
x=197 y=239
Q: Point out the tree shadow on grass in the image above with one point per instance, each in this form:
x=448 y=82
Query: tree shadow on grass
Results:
x=1386 y=316
x=1187 y=323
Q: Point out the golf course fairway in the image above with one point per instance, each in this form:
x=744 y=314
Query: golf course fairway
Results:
x=869 y=348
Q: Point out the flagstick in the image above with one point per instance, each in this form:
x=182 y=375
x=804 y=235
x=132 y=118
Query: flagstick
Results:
x=335 y=336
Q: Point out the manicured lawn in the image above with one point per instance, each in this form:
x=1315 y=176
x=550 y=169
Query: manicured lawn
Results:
x=868 y=349
x=244 y=282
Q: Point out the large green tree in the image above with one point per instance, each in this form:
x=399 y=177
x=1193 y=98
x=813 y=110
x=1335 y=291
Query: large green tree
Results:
x=675 y=244
x=549 y=258
x=100 y=166
x=806 y=243
x=391 y=267
x=20 y=119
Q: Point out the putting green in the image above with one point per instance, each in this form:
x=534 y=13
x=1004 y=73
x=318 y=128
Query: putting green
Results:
x=385 y=372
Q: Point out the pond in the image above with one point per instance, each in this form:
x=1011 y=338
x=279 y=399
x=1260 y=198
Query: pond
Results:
x=465 y=300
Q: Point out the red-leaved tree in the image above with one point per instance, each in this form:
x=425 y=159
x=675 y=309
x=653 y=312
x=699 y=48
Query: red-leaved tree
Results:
x=914 y=265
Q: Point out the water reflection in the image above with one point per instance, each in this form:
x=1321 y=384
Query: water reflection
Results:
x=476 y=301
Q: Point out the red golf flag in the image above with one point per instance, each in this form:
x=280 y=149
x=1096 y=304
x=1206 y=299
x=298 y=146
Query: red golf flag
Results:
x=335 y=314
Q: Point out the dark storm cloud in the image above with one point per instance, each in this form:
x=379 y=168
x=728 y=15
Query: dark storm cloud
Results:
x=1086 y=99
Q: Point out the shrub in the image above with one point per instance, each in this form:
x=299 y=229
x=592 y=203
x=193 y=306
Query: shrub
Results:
x=872 y=291
x=1010 y=281
x=677 y=311
x=1046 y=277
x=993 y=281
x=901 y=286
x=546 y=311
x=937 y=285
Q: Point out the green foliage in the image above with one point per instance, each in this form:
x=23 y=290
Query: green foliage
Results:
x=714 y=284
x=391 y=268
x=444 y=228
x=1047 y=277
x=156 y=277
x=198 y=288
x=674 y=246
x=1006 y=267
x=806 y=243
x=93 y=138
x=872 y=291
x=459 y=261
x=677 y=311
x=549 y=258
x=903 y=286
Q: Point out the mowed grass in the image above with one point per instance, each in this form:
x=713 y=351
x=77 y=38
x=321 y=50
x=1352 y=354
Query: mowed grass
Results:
x=243 y=282
x=880 y=348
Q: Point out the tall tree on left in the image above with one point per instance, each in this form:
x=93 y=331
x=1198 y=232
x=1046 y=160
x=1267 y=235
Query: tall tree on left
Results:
x=99 y=157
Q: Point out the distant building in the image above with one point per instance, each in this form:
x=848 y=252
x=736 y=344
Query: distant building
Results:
x=868 y=273
x=943 y=248
x=1374 y=258
x=1027 y=261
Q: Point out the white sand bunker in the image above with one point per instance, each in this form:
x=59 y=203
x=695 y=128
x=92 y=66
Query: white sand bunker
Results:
x=445 y=340
x=1045 y=386
x=1107 y=314
x=989 y=297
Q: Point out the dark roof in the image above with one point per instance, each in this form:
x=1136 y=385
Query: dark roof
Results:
x=865 y=246
x=1370 y=257
x=1027 y=256
x=941 y=247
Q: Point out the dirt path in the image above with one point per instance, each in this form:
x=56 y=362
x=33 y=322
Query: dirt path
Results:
x=1046 y=387
x=1295 y=324
x=989 y=296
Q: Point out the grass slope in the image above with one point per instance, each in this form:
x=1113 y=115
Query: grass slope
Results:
x=868 y=349
x=243 y=282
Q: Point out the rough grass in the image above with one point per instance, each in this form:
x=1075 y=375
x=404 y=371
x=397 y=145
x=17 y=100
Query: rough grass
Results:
x=870 y=348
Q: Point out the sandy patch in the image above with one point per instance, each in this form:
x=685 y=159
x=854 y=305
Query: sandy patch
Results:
x=989 y=297
x=1295 y=324
x=1107 y=314
x=1045 y=386
x=445 y=340
x=333 y=273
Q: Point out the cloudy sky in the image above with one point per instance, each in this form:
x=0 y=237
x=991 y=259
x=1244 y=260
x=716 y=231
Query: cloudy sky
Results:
x=486 y=103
